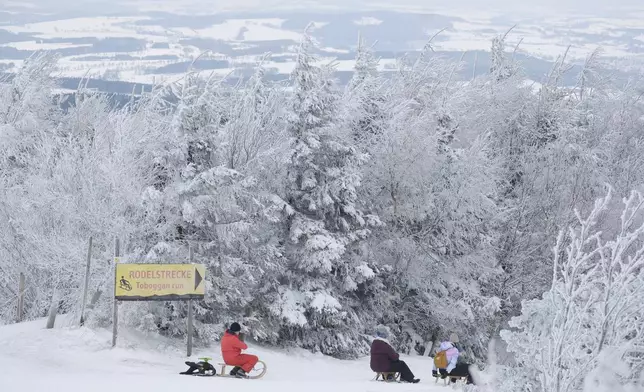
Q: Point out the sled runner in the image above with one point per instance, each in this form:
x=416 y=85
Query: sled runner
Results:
x=388 y=376
x=447 y=379
x=205 y=368
x=258 y=371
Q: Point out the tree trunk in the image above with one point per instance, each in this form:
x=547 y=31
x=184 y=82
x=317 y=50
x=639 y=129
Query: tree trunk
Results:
x=53 y=311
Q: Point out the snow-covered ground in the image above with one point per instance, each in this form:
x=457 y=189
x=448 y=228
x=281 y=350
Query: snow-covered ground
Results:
x=33 y=358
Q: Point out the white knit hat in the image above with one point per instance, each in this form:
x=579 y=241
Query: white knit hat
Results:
x=453 y=338
x=382 y=331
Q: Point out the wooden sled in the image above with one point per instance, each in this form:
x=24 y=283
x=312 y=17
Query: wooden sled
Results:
x=388 y=376
x=258 y=371
x=447 y=379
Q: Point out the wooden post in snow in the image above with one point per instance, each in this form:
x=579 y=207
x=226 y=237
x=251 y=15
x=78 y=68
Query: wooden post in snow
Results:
x=86 y=287
x=53 y=310
x=21 y=297
x=115 y=315
x=191 y=255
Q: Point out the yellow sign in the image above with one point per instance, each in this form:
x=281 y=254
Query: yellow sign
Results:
x=159 y=282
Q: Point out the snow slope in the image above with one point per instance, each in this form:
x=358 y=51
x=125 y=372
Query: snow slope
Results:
x=33 y=358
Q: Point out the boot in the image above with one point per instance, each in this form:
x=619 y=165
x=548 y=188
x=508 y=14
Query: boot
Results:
x=235 y=370
x=241 y=373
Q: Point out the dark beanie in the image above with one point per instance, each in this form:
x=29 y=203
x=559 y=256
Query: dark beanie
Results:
x=234 y=327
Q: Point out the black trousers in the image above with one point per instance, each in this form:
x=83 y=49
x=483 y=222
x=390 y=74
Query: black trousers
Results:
x=462 y=370
x=402 y=368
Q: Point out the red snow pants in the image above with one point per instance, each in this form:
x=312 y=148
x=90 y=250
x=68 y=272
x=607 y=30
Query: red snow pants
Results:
x=244 y=361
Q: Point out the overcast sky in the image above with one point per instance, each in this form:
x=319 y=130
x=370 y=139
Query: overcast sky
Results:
x=471 y=6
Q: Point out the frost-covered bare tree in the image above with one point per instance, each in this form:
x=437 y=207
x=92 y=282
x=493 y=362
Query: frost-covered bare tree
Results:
x=431 y=181
x=364 y=102
x=501 y=67
x=554 y=154
x=27 y=123
x=593 y=308
x=255 y=127
x=84 y=178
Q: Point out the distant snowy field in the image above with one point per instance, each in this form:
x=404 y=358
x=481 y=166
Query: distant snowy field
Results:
x=135 y=70
x=580 y=35
x=80 y=360
x=474 y=33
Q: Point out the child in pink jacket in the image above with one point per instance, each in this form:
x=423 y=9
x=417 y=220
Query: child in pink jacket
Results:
x=453 y=367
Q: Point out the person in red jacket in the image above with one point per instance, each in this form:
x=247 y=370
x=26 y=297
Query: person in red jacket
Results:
x=231 y=347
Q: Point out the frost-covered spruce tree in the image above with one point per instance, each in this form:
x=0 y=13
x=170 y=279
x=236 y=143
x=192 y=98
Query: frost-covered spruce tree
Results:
x=218 y=211
x=324 y=223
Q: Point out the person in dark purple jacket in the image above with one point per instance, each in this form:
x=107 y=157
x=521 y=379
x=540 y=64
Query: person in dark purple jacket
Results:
x=385 y=359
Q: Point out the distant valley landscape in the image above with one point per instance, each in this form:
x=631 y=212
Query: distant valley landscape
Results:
x=142 y=46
